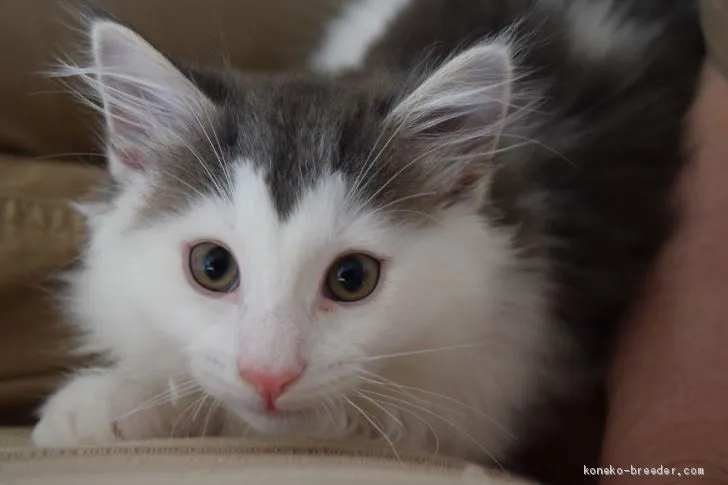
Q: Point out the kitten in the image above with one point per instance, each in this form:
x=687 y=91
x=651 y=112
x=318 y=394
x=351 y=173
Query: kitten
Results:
x=426 y=239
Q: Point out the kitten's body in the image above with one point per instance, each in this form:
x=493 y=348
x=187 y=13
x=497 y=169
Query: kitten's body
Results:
x=510 y=162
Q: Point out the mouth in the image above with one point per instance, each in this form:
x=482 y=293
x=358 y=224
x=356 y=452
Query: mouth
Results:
x=276 y=414
x=287 y=415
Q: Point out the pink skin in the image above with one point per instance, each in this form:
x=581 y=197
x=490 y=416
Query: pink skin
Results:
x=270 y=386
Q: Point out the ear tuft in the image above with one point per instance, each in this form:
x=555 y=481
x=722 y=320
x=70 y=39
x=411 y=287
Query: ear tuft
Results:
x=474 y=88
x=457 y=115
x=147 y=102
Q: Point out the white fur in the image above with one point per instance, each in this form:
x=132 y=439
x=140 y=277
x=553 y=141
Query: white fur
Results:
x=455 y=286
x=600 y=30
x=104 y=405
x=349 y=36
x=456 y=331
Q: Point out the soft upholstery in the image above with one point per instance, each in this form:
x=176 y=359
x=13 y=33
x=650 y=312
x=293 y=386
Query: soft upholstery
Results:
x=226 y=461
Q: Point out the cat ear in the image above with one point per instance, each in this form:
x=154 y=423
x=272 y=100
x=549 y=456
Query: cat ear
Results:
x=457 y=114
x=147 y=102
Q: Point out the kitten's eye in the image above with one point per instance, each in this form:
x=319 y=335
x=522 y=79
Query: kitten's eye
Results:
x=213 y=267
x=352 y=278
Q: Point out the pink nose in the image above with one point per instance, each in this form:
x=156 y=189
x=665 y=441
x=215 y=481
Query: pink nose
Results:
x=270 y=385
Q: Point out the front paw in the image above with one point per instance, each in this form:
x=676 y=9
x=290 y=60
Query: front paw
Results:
x=98 y=408
x=79 y=413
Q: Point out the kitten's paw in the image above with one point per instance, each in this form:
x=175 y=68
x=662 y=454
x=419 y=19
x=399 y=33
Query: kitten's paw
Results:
x=97 y=408
x=78 y=413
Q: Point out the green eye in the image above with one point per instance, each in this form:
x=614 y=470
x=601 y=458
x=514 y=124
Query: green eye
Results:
x=352 y=277
x=213 y=268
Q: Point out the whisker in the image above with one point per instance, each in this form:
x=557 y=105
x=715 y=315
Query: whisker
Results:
x=183 y=415
x=419 y=352
x=210 y=412
x=368 y=164
x=465 y=138
x=218 y=156
x=205 y=397
x=325 y=403
x=444 y=420
x=365 y=167
x=394 y=388
x=391 y=179
x=406 y=166
x=402 y=199
x=185 y=389
x=421 y=214
x=371 y=421
x=386 y=411
x=528 y=140
x=387 y=382
x=218 y=188
x=417 y=416
x=170 y=175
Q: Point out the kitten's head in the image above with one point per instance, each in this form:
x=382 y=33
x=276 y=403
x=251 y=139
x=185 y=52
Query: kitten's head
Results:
x=297 y=243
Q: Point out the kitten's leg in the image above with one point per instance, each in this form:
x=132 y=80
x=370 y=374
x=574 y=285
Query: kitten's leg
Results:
x=104 y=405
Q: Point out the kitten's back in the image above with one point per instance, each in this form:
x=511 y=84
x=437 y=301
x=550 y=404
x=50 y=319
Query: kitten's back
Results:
x=591 y=185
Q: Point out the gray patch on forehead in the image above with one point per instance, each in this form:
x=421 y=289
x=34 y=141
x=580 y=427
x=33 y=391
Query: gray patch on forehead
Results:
x=296 y=130
x=195 y=169
x=300 y=129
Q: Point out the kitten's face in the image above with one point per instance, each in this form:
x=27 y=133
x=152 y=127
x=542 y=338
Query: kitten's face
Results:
x=299 y=247
x=334 y=292
x=329 y=294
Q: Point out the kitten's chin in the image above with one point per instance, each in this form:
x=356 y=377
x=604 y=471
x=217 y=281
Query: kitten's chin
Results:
x=280 y=417
x=312 y=422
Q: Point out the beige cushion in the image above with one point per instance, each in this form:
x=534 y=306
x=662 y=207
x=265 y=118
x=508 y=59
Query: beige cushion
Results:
x=39 y=235
x=213 y=461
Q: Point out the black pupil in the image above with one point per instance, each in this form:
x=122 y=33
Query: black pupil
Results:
x=216 y=263
x=351 y=275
